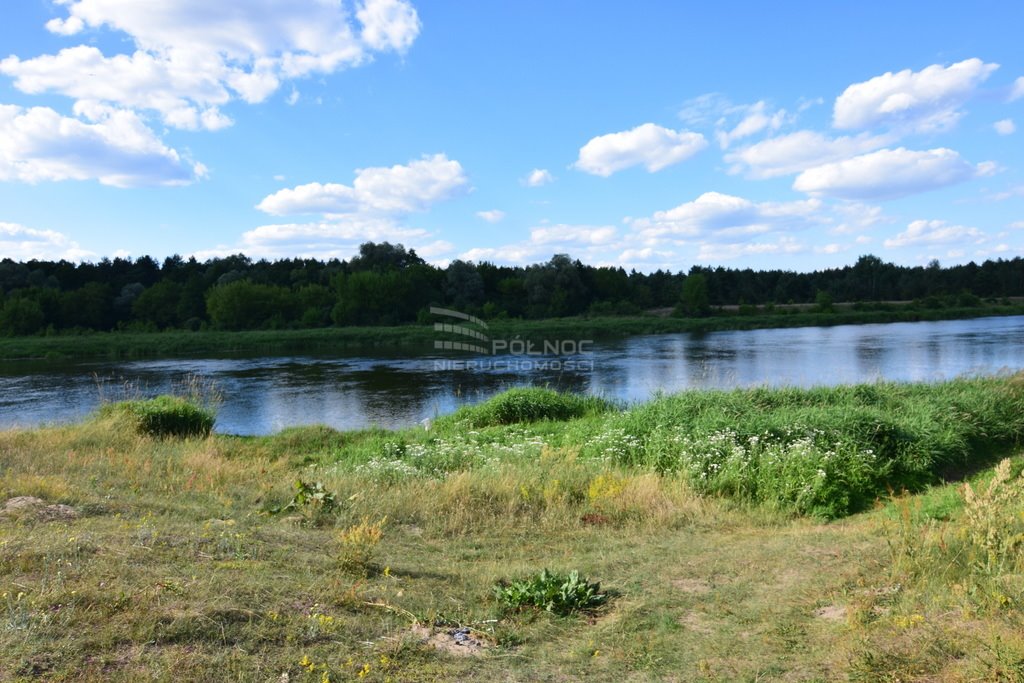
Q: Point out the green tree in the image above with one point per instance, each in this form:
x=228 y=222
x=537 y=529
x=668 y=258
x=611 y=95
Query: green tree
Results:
x=244 y=305
x=695 y=298
x=20 y=316
x=159 y=304
x=823 y=300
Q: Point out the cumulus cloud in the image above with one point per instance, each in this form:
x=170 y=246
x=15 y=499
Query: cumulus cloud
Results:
x=374 y=208
x=573 y=234
x=727 y=251
x=923 y=232
x=191 y=57
x=586 y=242
x=722 y=215
x=855 y=217
x=322 y=239
x=492 y=216
x=648 y=145
x=888 y=174
x=400 y=189
x=756 y=118
x=118 y=149
x=1005 y=127
x=796 y=152
x=538 y=177
x=1017 y=90
x=24 y=244
x=926 y=100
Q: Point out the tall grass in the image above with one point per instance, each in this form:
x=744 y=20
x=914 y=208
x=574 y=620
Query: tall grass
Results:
x=826 y=452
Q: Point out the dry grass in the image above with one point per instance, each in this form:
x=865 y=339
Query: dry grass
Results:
x=176 y=570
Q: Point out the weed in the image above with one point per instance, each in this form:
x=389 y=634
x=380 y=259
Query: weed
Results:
x=992 y=521
x=359 y=545
x=560 y=594
x=315 y=502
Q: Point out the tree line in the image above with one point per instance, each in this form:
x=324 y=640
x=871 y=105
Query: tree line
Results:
x=386 y=284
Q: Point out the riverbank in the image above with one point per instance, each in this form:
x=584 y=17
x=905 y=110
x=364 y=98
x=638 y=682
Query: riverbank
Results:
x=701 y=515
x=416 y=338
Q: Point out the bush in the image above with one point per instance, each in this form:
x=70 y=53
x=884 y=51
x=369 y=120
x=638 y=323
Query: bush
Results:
x=559 y=594
x=531 y=404
x=163 y=416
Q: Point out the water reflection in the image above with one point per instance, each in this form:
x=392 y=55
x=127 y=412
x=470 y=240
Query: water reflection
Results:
x=263 y=395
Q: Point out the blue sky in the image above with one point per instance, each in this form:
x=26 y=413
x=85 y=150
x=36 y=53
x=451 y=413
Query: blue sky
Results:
x=645 y=134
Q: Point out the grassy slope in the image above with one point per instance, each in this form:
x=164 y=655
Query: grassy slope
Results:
x=174 y=571
x=135 y=345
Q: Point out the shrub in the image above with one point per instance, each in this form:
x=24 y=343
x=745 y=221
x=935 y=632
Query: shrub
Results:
x=163 y=417
x=530 y=404
x=559 y=594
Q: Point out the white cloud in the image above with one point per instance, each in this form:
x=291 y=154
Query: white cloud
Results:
x=24 y=244
x=1017 y=91
x=926 y=100
x=373 y=208
x=1005 y=127
x=573 y=234
x=799 y=151
x=538 y=177
x=704 y=109
x=400 y=189
x=647 y=145
x=39 y=144
x=586 y=242
x=756 y=118
x=856 y=217
x=492 y=216
x=888 y=174
x=727 y=251
x=922 y=232
x=518 y=254
x=722 y=215
x=1017 y=225
x=191 y=57
x=323 y=240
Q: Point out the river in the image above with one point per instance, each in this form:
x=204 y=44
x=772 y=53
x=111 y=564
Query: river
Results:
x=261 y=395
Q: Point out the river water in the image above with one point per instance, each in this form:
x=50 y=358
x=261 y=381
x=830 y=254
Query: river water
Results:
x=261 y=395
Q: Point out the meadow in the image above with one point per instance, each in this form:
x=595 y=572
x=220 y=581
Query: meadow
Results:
x=759 y=534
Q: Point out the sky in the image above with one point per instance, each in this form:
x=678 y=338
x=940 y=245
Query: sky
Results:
x=648 y=135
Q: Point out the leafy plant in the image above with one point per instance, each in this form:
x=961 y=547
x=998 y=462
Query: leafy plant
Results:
x=313 y=500
x=560 y=594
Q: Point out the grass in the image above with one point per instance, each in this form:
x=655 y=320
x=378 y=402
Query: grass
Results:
x=197 y=559
x=421 y=337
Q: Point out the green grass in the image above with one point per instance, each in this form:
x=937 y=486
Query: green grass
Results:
x=421 y=337
x=186 y=561
x=528 y=404
x=161 y=417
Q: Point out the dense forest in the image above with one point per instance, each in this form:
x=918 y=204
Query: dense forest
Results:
x=388 y=285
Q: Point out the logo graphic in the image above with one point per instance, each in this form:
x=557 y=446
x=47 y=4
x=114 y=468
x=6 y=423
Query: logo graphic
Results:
x=445 y=345
x=511 y=354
